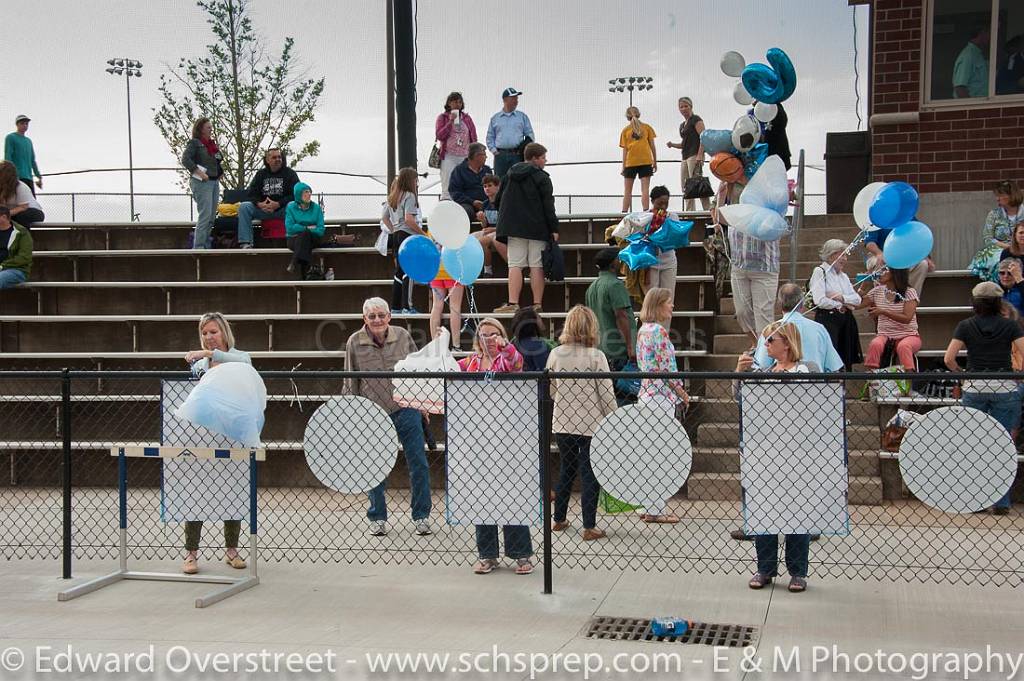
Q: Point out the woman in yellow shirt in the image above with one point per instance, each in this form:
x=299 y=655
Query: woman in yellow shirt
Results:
x=639 y=159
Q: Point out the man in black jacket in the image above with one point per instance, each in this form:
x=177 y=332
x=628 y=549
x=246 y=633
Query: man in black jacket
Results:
x=465 y=185
x=526 y=222
x=269 y=192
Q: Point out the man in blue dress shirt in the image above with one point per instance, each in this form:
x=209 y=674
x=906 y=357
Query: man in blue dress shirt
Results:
x=507 y=132
x=817 y=344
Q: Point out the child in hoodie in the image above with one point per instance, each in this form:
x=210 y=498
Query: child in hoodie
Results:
x=304 y=228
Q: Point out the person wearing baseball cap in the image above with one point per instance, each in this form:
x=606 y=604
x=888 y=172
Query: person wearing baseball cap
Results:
x=990 y=339
x=18 y=150
x=509 y=132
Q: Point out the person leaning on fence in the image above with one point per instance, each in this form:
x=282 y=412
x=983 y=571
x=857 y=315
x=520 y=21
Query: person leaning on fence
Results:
x=579 y=405
x=835 y=300
x=202 y=159
x=493 y=353
x=218 y=347
x=15 y=251
x=782 y=341
x=655 y=353
x=989 y=338
x=378 y=346
x=893 y=302
x=25 y=210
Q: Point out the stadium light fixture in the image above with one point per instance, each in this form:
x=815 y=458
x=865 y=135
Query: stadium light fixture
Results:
x=128 y=68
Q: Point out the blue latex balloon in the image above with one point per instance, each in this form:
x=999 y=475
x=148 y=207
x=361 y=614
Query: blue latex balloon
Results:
x=639 y=255
x=771 y=84
x=715 y=141
x=464 y=264
x=908 y=245
x=672 y=234
x=420 y=259
x=753 y=159
x=895 y=204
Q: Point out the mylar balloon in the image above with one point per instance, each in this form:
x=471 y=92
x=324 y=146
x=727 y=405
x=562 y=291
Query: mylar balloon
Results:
x=732 y=64
x=740 y=94
x=783 y=66
x=893 y=205
x=765 y=112
x=746 y=132
x=419 y=257
x=908 y=245
x=464 y=264
x=449 y=224
x=769 y=187
x=726 y=167
x=771 y=84
x=639 y=255
x=761 y=223
x=672 y=234
x=753 y=159
x=715 y=141
x=862 y=204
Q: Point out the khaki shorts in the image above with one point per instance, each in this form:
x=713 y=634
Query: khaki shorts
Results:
x=525 y=252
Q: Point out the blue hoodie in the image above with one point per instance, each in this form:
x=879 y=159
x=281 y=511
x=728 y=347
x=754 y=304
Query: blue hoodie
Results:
x=297 y=218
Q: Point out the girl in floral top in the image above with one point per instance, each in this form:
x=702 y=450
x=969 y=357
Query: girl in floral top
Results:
x=656 y=353
x=998 y=231
x=493 y=352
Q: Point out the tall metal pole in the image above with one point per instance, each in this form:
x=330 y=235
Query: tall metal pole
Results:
x=390 y=87
x=131 y=165
x=405 y=82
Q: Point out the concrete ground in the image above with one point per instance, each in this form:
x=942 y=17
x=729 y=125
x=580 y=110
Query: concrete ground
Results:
x=355 y=613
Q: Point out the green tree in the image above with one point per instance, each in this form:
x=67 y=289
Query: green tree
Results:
x=252 y=101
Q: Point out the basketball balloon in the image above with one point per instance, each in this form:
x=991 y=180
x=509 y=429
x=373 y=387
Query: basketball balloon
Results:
x=726 y=167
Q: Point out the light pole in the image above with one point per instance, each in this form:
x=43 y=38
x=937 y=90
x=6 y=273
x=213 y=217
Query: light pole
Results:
x=129 y=68
x=631 y=83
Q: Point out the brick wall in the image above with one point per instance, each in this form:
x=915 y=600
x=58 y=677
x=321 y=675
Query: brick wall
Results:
x=945 y=151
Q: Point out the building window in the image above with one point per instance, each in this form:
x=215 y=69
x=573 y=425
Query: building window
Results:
x=975 y=52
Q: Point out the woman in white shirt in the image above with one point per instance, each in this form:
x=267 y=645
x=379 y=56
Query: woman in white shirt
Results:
x=14 y=194
x=835 y=300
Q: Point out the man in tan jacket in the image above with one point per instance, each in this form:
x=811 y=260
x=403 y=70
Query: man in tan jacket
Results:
x=378 y=346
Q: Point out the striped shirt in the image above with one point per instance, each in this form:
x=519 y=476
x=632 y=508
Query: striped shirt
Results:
x=886 y=300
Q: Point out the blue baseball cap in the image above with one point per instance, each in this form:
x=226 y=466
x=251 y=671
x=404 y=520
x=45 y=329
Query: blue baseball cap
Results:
x=510 y=92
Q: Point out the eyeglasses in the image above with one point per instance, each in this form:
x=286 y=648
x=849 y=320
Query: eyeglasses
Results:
x=770 y=339
x=374 y=316
x=488 y=336
x=1004 y=273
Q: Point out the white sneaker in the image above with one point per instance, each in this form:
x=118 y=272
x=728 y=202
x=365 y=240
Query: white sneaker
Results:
x=245 y=246
x=378 y=528
x=423 y=527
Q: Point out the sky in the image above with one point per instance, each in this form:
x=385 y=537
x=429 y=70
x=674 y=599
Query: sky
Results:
x=561 y=54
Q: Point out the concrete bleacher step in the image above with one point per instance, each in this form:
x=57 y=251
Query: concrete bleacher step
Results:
x=718 y=408
x=863 y=490
x=726 y=460
x=728 y=435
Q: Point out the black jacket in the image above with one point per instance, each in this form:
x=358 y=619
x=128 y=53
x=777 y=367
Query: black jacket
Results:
x=776 y=139
x=465 y=186
x=526 y=204
x=279 y=186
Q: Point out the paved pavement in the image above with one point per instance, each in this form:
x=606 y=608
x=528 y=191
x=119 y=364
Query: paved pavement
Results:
x=341 y=617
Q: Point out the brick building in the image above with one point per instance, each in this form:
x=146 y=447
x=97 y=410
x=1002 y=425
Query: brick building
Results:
x=947 y=108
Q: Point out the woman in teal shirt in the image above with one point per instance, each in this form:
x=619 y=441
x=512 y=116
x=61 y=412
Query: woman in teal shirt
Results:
x=304 y=227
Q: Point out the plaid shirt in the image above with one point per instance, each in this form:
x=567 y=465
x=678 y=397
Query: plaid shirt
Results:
x=753 y=255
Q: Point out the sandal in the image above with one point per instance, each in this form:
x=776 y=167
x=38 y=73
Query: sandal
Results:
x=524 y=566
x=592 y=533
x=485 y=566
x=190 y=566
x=667 y=519
x=235 y=561
x=759 y=581
x=559 y=525
x=797 y=585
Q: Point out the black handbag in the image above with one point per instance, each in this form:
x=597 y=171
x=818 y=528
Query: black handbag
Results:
x=554 y=262
x=698 y=187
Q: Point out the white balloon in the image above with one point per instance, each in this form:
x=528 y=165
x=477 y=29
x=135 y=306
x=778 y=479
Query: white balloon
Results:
x=768 y=188
x=952 y=473
x=449 y=224
x=862 y=204
x=746 y=133
x=350 y=444
x=740 y=94
x=733 y=64
x=765 y=113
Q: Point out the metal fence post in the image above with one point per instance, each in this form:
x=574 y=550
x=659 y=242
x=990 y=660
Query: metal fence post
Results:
x=72 y=206
x=65 y=427
x=543 y=391
x=798 y=219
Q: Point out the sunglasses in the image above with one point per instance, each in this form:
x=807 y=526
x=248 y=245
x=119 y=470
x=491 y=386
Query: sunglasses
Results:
x=771 y=339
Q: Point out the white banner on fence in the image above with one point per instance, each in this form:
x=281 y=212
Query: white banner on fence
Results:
x=198 y=489
x=793 y=465
x=493 y=449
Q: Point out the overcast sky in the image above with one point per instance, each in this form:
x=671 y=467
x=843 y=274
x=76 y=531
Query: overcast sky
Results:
x=560 y=53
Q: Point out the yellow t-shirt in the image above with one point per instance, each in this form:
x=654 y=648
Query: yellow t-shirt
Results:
x=638 y=151
x=442 y=273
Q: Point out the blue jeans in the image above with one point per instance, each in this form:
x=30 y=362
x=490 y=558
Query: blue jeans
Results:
x=11 y=278
x=247 y=212
x=1003 y=407
x=574 y=451
x=206 y=195
x=409 y=424
x=798 y=548
x=518 y=543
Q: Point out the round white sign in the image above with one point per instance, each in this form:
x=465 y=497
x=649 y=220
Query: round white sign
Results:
x=350 y=444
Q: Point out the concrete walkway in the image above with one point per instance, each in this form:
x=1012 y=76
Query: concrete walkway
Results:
x=340 y=617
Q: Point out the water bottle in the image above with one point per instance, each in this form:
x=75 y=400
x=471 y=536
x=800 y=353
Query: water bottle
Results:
x=329 y=275
x=669 y=626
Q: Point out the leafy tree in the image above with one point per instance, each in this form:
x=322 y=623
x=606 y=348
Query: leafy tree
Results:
x=252 y=101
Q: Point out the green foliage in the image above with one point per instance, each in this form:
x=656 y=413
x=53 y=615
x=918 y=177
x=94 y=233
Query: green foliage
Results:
x=253 y=101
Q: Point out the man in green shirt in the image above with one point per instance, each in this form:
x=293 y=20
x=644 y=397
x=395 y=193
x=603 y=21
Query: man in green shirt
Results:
x=970 y=72
x=609 y=300
x=18 y=150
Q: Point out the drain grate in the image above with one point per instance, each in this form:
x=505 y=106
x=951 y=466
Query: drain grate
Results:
x=703 y=633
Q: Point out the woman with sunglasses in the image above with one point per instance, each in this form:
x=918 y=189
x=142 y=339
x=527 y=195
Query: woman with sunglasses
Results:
x=493 y=352
x=782 y=341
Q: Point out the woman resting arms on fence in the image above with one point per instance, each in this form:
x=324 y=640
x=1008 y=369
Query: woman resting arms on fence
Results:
x=218 y=343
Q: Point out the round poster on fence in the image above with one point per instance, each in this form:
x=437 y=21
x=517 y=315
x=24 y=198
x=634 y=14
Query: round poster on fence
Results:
x=957 y=459
x=350 y=444
x=641 y=455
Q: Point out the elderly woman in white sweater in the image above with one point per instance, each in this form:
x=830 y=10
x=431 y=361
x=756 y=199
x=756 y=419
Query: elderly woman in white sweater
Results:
x=579 y=407
x=835 y=300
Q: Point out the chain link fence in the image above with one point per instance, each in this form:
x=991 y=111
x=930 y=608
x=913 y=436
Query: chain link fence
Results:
x=576 y=473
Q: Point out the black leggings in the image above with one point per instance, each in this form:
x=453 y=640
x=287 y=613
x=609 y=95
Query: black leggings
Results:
x=302 y=245
x=401 y=286
x=29 y=217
